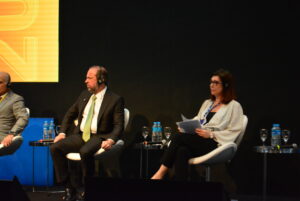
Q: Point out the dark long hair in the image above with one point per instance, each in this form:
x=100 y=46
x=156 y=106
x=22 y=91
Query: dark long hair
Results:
x=227 y=80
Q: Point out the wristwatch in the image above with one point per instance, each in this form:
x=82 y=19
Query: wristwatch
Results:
x=12 y=132
x=211 y=135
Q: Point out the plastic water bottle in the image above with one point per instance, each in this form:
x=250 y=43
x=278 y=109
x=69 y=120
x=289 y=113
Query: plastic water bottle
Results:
x=45 y=130
x=159 y=132
x=154 y=132
x=51 y=133
x=275 y=135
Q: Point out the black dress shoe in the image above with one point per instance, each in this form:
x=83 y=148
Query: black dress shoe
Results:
x=80 y=196
x=69 y=195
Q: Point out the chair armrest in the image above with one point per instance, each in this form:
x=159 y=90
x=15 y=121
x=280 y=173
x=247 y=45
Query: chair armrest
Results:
x=14 y=138
x=76 y=156
x=222 y=153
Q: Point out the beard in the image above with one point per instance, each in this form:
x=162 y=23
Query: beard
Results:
x=92 y=89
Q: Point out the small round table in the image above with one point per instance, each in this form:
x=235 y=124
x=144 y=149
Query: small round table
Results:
x=265 y=150
x=150 y=146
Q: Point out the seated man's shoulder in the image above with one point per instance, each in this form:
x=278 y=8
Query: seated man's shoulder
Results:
x=15 y=96
x=113 y=94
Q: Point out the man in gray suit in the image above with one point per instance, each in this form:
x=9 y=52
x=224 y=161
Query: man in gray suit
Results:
x=13 y=117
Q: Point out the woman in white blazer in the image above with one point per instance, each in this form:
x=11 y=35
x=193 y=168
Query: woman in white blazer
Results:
x=221 y=118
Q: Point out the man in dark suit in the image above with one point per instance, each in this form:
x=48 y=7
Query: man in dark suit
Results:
x=100 y=116
x=13 y=117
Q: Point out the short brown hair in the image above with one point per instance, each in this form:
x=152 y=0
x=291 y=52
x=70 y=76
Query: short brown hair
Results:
x=102 y=74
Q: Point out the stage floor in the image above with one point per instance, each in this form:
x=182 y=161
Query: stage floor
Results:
x=53 y=194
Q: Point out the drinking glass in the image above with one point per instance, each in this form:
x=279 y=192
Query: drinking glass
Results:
x=145 y=133
x=168 y=132
x=285 y=135
x=57 y=128
x=263 y=135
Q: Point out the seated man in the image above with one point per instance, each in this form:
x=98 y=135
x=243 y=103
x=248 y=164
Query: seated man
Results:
x=13 y=117
x=100 y=115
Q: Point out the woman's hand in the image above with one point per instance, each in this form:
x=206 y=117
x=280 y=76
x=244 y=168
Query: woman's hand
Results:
x=180 y=129
x=203 y=133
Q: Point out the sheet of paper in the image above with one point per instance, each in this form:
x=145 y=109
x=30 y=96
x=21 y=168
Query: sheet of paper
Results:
x=189 y=126
x=184 y=118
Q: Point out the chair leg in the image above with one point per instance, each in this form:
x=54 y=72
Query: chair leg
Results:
x=207 y=174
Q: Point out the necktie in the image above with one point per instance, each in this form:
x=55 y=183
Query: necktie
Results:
x=87 y=126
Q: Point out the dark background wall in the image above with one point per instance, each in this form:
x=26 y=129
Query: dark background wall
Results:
x=160 y=55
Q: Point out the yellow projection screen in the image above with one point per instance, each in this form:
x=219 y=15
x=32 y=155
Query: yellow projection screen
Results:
x=29 y=39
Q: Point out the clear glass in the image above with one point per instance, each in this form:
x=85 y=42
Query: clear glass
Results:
x=145 y=133
x=263 y=135
x=57 y=128
x=285 y=135
x=167 y=132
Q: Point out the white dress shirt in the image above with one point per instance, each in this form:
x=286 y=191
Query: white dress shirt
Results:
x=98 y=103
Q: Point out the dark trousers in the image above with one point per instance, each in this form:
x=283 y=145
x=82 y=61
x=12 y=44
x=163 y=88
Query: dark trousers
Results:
x=184 y=146
x=74 y=143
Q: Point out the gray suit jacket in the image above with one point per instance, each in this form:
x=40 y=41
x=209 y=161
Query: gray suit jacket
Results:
x=13 y=115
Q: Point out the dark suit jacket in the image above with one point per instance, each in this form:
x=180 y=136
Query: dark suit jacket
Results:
x=110 y=118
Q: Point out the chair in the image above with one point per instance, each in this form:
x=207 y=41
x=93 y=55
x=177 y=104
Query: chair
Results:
x=16 y=143
x=114 y=152
x=222 y=154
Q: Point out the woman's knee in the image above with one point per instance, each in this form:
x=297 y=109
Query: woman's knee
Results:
x=183 y=151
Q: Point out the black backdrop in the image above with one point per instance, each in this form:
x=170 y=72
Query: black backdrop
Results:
x=160 y=55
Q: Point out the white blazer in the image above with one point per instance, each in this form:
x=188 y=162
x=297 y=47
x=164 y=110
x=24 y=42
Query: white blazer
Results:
x=226 y=124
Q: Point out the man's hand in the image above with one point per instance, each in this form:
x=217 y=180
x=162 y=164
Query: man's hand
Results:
x=107 y=144
x=7 y=140
x=59 y=137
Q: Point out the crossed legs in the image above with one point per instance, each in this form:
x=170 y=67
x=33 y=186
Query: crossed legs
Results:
x=74 y=143
x=183 y=146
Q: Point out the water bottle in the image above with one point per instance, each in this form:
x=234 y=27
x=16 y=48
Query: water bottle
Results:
x=51 y=133
x=154 y=132
x=275 y=135
x=159 y=132
x=45 y=130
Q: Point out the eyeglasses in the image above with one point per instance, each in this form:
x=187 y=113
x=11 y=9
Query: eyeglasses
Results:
x=215 y=82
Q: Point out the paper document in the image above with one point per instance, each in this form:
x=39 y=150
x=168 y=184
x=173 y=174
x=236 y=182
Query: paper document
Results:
x=184 y=118
x=188 y=125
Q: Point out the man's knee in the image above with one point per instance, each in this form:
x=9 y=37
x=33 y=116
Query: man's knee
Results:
x=84 y=153
x=54 y=148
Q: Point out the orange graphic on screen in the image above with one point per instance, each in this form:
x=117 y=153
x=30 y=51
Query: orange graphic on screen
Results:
x=29 y=40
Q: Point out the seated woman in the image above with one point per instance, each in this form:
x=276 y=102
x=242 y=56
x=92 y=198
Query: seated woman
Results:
x=221 y=118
